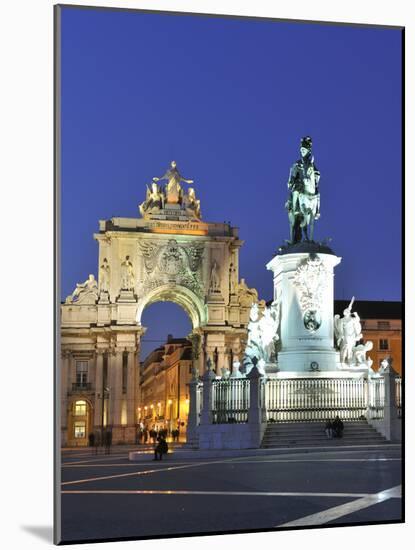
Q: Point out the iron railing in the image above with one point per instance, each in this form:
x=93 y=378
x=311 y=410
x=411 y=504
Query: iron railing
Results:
x=81 y=387
x=305 y=399
x=376 y=399
x=230 y=400
x=398 y=395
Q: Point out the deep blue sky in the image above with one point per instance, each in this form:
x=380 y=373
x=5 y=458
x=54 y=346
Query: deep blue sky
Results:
x=229 y=100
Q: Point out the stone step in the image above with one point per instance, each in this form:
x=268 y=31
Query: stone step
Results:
x=317 y=432
x=321 y=442
x=327 y=443
x=312 y=433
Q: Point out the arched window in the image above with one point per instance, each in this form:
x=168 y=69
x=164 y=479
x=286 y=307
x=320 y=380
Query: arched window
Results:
x=79 y=408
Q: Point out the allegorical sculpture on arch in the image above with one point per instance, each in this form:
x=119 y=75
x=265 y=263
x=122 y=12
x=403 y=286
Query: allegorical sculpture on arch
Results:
x=171 y=197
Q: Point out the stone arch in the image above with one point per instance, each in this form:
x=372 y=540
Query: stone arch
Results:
x=180 y=295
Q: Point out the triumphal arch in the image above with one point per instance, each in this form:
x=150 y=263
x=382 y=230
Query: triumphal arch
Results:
x=169 y=253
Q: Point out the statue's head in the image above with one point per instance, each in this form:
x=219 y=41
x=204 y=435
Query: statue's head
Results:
x=346 y=312
x=306 y=144
x=127 y=257
x=173 y=164
x=91 y=277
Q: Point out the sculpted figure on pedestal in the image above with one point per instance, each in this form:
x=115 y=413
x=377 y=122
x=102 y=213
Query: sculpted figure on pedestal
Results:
x=154 y=199
x=192 y=204
x=348 y=331
x=174 y=192
x=232 y=281
x=359 y=354
x=82 y=290
x=214 y=278
x=303 y=204
x=246 y=296
x=269 y=325
x=127 y=274
x=104 y=276
x=254 y=344
x=262 y=334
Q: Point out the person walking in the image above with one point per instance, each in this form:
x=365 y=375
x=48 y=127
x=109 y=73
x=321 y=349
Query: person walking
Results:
x=338 y=427
x=91 y=441
x=108 y=441
x=160 y=449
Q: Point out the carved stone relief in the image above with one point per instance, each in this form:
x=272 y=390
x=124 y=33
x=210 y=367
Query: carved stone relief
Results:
x=171 y=263
x=310 y=279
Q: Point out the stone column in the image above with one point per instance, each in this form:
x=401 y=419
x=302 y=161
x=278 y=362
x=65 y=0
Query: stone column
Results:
x=193 y=419
x=207 y=379
x=131 y=402
x=116 y=393
x=99 y=394
x=391 y=420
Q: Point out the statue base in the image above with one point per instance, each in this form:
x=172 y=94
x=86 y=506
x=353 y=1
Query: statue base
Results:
x=104 y=297
x=308 y=361
x=215 y=296
x=303 y=286
x=305 y=247
x=126 y=296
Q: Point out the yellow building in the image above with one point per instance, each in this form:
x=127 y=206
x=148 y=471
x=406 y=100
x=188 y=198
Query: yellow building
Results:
x=165 y=374
x=382 y=324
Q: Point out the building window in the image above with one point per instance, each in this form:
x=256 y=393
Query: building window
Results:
x=383 y=344
x=384 y=325
x=81 y=373
x=79 y=429
x=80 y=408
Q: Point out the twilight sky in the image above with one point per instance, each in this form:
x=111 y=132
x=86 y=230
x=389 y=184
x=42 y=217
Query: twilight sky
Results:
x=229 y=100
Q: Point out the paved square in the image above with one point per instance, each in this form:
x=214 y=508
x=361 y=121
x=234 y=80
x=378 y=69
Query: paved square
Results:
x=106 y=496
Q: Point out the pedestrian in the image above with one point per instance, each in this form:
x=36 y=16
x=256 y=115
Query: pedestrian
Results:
x=160 y=449
x=108 y=441
x=145 y=435
x=338 y=427
x=91 y=440
x=97 y=442
x=329 y=429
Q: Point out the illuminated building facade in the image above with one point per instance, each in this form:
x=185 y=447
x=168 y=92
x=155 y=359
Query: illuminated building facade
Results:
x=164 y=391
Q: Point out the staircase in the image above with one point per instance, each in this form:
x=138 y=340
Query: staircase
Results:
x=312 y=434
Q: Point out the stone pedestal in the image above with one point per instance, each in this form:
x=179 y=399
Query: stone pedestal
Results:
x=126 y=296
x=104 y=297
x=303 y=285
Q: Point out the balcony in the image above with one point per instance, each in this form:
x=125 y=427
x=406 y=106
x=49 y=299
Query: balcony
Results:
x=82 y=387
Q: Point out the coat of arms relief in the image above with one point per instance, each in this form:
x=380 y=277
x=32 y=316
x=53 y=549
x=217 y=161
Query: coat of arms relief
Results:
x=171 y=263
x=310 y=279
